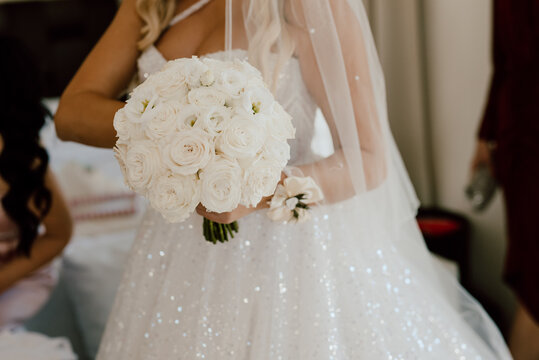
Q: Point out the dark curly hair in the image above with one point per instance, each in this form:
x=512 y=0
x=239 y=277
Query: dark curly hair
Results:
x=23 y=161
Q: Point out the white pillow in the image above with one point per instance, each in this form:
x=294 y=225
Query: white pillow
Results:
x=24 y=345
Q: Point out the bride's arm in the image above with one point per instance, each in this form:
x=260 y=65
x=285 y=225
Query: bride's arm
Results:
x=337 y=178
x=88 y=104
x=333 y=173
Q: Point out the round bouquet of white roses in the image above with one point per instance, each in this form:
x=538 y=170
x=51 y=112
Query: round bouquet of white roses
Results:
x=203 y=131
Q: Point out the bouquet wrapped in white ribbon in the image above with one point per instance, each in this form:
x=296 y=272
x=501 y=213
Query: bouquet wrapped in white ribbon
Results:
x=203 y=131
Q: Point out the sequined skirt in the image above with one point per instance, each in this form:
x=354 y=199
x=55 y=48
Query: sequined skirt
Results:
x=338 y=287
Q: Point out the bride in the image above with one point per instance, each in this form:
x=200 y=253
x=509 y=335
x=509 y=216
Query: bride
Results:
x=353 y=282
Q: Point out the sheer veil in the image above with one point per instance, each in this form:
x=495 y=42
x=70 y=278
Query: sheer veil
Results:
x=334 y=45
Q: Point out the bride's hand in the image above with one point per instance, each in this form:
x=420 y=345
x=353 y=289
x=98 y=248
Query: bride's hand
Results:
x=230 y=217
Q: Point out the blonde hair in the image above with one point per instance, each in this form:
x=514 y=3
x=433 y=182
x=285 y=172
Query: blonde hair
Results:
x=155 y=14
x=265 y=26
x=267 y=32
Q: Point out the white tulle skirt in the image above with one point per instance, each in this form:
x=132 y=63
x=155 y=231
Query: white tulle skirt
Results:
x=343 y=286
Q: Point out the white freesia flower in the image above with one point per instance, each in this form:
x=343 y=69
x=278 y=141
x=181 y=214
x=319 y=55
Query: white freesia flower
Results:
x=175 y=196
x=260 y=180
x=295 y=185
x=138 y=103
x=188 y=117
x=279 y=197
x=257 y=100
x=188 y=151
x=240 y=138
x=206 y=96
x=163 y=121
x=286 y=205
x=291 y=203
x=280 y=214
x=303 y=216
x=221 y=185
x=143 y=164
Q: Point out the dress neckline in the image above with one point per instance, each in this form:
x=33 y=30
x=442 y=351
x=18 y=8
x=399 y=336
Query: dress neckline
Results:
x=154 y=49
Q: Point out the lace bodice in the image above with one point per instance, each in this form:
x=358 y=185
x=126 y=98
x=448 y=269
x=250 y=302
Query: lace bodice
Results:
x=291 y=93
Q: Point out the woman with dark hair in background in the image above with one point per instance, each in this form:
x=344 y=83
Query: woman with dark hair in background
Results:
x=34 y=221
x=509 y=144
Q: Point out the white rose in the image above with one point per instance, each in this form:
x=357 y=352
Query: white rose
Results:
x=120 y=153
x=143 y=165
x=206 y=96
x=280 y=125
x=192 y=69
x=260 y=179
x=136 y=132
x=212 y=119
x=249 y=70
x=169 y=85
x=163 y=121
x=121 y=125
x=240 y=138
x=232 y=81
x=221 y=185
x=295 y=185
x=278 y=150
x=175 y=196
x=188 y=151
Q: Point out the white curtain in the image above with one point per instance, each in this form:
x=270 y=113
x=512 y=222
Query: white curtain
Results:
x=436 y=56
x=397 y=28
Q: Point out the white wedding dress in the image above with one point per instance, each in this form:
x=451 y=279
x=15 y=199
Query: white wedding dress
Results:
x=315 y=291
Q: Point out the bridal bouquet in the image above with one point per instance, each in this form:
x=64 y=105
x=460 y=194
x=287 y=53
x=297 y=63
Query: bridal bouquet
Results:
x=203 y=131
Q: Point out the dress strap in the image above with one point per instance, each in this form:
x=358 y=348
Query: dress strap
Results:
x=188 y=12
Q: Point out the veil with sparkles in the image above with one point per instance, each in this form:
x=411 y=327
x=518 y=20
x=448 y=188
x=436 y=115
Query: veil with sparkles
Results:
x=333 y=42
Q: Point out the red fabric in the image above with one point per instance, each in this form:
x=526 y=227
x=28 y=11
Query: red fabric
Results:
x=438 y=227
x=512 y=120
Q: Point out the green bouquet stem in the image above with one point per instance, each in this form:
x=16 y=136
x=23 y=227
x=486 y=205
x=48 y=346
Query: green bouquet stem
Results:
x=216 y=232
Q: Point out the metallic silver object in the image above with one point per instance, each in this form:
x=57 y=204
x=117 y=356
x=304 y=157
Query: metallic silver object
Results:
x=482 y=188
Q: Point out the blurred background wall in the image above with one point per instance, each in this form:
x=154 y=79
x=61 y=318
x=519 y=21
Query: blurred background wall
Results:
x=436 y=56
